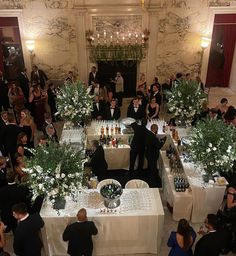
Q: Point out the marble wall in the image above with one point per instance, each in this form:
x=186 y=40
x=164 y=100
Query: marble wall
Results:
x=55 y=25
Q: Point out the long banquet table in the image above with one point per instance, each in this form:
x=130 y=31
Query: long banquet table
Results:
x=135 y=227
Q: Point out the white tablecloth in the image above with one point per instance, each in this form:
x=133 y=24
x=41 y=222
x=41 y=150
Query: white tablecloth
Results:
x=135 y=227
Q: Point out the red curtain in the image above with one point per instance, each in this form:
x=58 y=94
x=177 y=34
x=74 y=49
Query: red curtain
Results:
x=220 y=60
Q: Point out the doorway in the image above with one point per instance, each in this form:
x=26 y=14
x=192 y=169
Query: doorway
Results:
x=128 y=69
x=222 y=50
x=11 y=56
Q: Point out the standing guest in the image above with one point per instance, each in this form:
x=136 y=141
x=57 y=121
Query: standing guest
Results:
x=27 y=240
x=155 y=82
x=38 y=76
x=24 y=84
x=222 y=107
x=142 y=82
x=152 y=109
x=113 y=111
x=213 y=241
x=156 y=93
x=38 y=98
x=47 y=121
x=3 y=119
x=28 y=126
x=181 y=242
x=22 y=141
x=18 y=166
x=3 y=171
x=9 y=135
x=98 y=162
x=52 y=96
x=16 y=98
x=152 y=147
x=4 y=101
x=119 y=87
x=70 y=78
x=137 y=146
x=42 y=140
x=178 y=78
x=51 y=133
x=93 y=76
x=99 y=108
x=15 y=194
x=79 y=235
x=135 y=110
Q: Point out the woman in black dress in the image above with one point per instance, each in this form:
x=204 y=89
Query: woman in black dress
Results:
x=152 y=109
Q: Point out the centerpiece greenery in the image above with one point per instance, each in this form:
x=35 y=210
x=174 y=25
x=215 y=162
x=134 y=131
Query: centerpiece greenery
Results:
x=212 y=144
x=185 y=101
x=55 y=171
x=74 y=103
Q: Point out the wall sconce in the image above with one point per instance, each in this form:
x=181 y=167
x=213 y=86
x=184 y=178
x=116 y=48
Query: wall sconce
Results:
x=30 y=45
x=205 y=41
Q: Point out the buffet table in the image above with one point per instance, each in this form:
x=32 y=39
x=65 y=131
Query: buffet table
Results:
x=134 y=227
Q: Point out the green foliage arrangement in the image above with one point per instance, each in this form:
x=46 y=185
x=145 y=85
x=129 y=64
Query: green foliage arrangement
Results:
x=115 y=52
x=213 y=145
x=74 y=103
x=55 y=170
x=185 y=101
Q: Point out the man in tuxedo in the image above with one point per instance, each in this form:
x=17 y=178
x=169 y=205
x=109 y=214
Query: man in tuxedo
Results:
x=99 y=108
x=137 y=146
x=152 y=147
x=4 y=101
x=9 y=135
x=48 y=121
x=135 y=110
x=112 y=111
x=98 y=162
x=93 y=76
x=27 y=240
x=38 y=76
x=156 y=93
x=11 y=194
x=24 y=83
x=213 y=241
x=79 y=235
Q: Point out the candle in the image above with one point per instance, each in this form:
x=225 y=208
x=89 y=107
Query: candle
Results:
x=123 y=38
x=98 y=35
x=129 y=35
x=104 y=33
x=111 y=38
x=136 y=35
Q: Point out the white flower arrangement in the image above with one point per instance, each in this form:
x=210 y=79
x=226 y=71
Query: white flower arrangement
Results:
x=213 y=146
x=185 y=101
x=55 y=170
x=74 y=103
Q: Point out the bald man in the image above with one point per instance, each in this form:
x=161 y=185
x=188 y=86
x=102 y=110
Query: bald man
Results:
x=79 y=235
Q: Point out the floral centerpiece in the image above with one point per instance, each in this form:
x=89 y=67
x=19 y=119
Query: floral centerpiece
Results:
x=55 y=171
x=74 y=103
x=185 y=101
x=212 y=144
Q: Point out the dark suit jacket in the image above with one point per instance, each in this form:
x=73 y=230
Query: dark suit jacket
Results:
x=9 y=137
x=41 y=78
x=26 y=240
x=24 y=85
x=99 y=112
x=211 y=244
x=140 y=114
x=158 y=98
x=79 y=236
x=92 y=79
x=116 y=114
x=10 y=195
x=138 y=141
x=98 y=162
x=152 y=145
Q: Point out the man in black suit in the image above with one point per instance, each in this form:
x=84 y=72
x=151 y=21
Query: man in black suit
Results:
x=24 y=83
x=3 y=171
x=93 y=76
x=9 y=135
x=11 y=194
x=4 y=101
x=135 y=110
x=156 y=93
x=112 y=111
x=79 y=235
x=137 y=146
x=48 y=121
x=27 y=241
x=38 y=76
x=152 y=147
x=98 y=162
x=99 y=108
x=213 y=241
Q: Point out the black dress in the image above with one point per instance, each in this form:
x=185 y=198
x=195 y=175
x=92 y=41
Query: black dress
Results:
x=152 y=111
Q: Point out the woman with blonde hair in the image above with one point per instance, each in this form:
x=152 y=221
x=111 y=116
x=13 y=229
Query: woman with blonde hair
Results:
x=28 y=126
